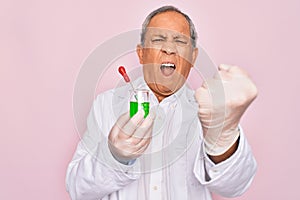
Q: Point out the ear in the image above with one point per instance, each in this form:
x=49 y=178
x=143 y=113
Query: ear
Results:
x=140 y=52
x=194 y=55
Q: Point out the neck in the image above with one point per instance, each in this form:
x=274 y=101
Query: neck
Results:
x=159 y=97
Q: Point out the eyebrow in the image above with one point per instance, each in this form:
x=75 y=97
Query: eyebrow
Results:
x=180 y=37
x=159 y=35
x=174 y=37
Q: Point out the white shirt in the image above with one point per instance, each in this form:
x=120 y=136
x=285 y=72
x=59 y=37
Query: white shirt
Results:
x=175 y=165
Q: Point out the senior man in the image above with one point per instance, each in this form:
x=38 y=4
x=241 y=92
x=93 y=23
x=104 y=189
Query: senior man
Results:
x=189 y=146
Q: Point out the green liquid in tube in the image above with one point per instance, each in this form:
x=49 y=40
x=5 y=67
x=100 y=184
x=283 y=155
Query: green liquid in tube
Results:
x=134 y=108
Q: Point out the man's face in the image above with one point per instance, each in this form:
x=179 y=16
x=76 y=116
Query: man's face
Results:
x=167 y=55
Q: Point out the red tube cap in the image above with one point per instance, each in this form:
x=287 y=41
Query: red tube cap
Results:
x=122 y=71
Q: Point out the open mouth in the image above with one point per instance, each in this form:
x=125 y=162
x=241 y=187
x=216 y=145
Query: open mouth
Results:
x=167 y=68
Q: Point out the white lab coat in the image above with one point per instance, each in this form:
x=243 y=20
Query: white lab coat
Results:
x=175 y=165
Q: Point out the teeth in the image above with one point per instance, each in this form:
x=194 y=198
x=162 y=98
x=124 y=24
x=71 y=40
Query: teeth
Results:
x=168 y=65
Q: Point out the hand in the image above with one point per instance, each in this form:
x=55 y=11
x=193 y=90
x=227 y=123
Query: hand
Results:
x=222 y=101
x=129 y=138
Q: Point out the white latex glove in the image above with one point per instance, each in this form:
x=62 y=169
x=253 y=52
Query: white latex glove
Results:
x=130 y=137
x=222 y=101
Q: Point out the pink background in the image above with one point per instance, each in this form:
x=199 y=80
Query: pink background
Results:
x=42 y=47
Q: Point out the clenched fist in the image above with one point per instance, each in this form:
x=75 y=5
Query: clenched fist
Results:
x=222 y=101
x=130 y=137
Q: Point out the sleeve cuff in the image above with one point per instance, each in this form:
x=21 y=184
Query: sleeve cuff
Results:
x=103 y=155
x=209 y=171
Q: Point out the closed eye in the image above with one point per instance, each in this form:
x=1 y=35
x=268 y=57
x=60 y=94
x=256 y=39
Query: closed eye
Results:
x=157 y=40
x=181 y=41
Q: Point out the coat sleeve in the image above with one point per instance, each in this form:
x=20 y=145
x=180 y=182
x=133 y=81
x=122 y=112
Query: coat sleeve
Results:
x=93 y=172
x=231 y=177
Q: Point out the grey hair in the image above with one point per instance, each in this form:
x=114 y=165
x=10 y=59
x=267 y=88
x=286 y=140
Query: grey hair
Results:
x=193 y=33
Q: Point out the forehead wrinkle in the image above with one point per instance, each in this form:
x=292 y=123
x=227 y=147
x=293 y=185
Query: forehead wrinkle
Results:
x=159 y=35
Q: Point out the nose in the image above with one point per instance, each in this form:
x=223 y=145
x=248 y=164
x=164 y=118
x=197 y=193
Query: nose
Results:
x=169 y=48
